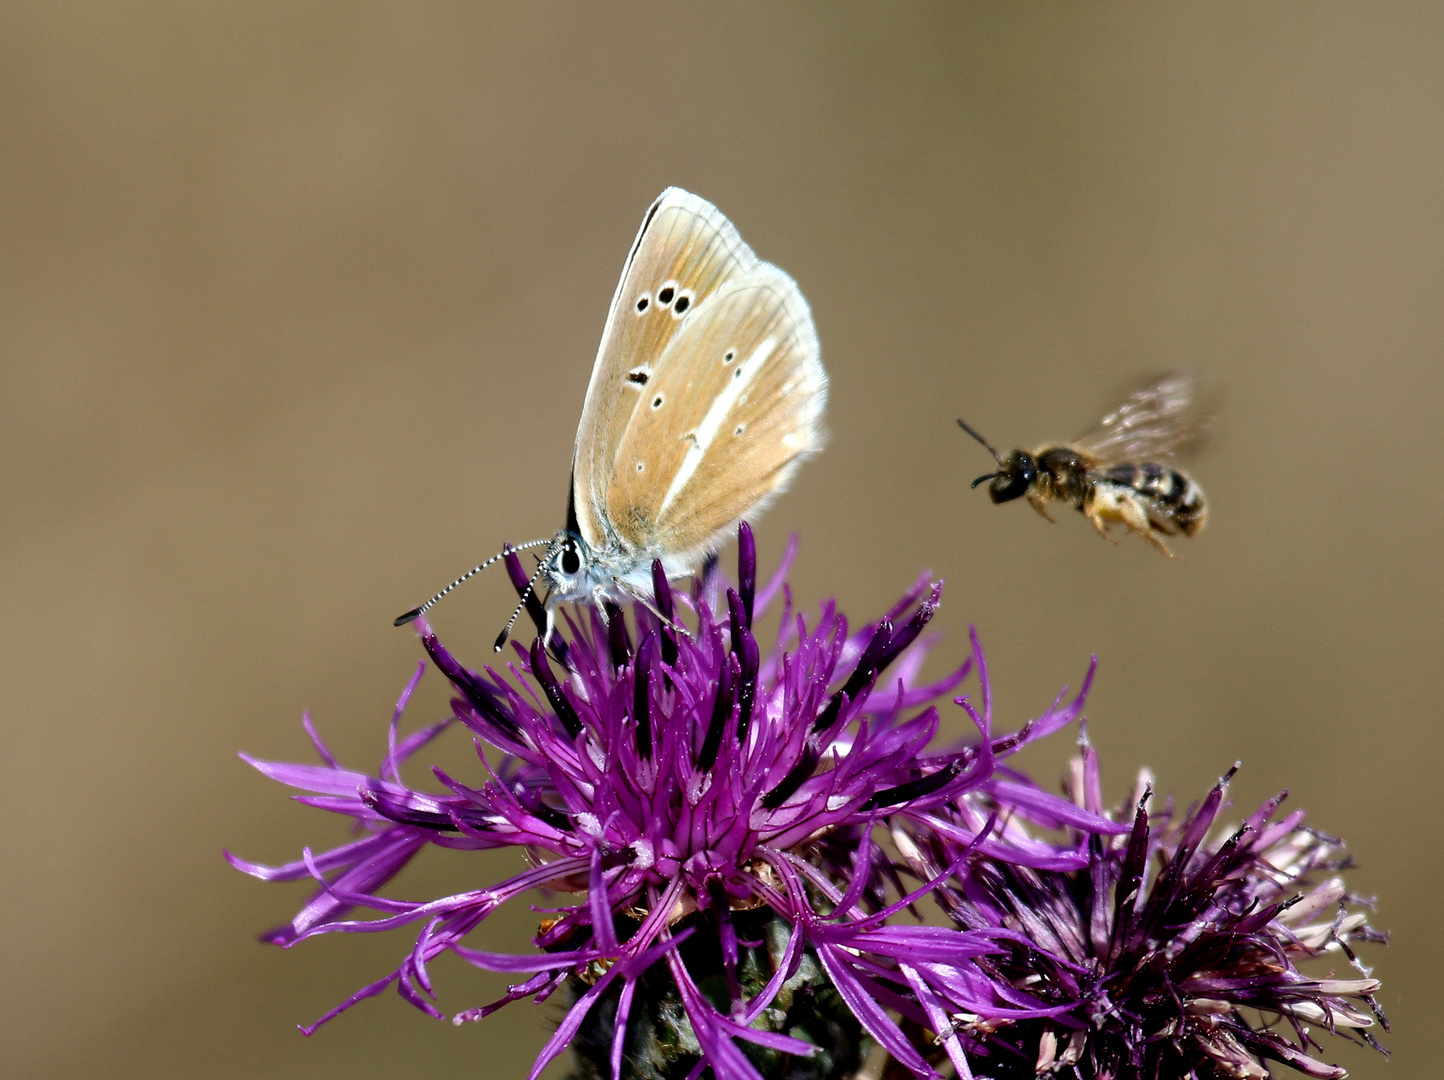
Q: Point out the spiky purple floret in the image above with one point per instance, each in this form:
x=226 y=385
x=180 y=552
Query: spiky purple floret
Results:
x=674 y=781
x=1173 y=954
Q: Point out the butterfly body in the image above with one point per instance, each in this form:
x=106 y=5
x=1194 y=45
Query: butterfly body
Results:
x=577 y=573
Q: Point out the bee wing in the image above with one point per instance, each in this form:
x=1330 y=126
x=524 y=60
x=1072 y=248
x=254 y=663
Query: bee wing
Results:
x=735 y=406
x=1160 y=419
x=684 y=243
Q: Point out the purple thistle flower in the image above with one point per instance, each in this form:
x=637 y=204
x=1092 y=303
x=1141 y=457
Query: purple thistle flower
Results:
x=1173 y=954
x=712 y=807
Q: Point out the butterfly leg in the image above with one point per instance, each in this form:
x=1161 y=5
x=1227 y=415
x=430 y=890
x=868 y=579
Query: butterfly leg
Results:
x=646 y=602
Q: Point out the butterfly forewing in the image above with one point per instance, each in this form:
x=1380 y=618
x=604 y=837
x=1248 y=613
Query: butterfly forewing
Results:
x=735 y=403
x=1159 y=420
x=683 y=253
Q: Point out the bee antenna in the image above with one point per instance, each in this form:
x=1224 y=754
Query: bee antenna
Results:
x=984 y=479
x=416 y=613
x=525 y=596
x=996 y=456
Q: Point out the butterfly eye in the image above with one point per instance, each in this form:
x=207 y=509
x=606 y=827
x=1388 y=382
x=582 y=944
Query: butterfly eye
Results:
x=571 y=562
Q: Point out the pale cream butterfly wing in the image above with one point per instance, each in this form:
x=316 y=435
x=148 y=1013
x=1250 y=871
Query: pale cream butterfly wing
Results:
x=684 y=251
x=733 y=406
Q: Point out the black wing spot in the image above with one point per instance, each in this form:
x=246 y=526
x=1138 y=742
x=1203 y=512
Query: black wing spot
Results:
x=639 y=466
x=737 y=374
x=683 y=302
x=638 y=377
x=643 y=302
x=729 y=356
x=657 y=402
x=740 y=429
x=664 y=296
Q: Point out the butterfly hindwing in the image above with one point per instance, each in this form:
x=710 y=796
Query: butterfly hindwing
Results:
x=735 y=403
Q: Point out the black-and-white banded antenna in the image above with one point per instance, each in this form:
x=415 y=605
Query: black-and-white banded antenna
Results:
x=989 y=446
x=525 y=596
x=416 y=613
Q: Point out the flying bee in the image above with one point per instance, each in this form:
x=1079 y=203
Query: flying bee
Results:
x=1119 y=471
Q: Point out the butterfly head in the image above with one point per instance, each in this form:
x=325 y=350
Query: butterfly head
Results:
x=569 y=568
x=569 y=571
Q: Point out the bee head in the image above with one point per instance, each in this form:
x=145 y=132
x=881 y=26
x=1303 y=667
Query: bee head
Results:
x=1015 y=474
x=1014 y=477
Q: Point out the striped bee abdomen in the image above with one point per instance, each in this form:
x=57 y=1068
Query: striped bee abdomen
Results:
x=1172 y=497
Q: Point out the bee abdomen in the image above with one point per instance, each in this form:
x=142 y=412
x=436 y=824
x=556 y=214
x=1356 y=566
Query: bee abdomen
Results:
x=1168 y=487
x=1172 y=493
x=1191 y=510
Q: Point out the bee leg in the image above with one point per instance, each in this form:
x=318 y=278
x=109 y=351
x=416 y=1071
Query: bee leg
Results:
x=1133 y=514
x=1151 y=536
x=1092 y=514
x=1106 y=504
x=1039 y=504
x=1102 y=505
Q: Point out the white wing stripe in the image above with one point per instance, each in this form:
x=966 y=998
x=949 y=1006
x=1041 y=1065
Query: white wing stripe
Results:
x=712 y=422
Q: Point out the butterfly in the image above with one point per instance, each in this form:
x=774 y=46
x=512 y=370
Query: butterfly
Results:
x=707 y=392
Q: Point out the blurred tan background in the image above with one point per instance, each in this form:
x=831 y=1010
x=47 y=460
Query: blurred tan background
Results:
x=297 y=307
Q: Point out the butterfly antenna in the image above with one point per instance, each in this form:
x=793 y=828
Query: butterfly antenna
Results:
x=996 y=456
x=525 y=596
x=416 y=613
